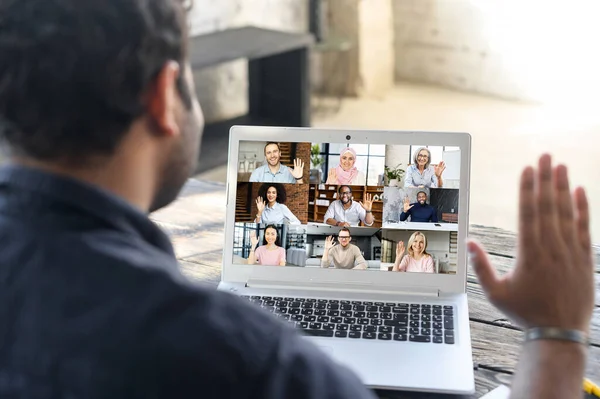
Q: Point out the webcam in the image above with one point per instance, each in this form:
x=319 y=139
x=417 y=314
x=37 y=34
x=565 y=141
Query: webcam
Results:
x=348 y=137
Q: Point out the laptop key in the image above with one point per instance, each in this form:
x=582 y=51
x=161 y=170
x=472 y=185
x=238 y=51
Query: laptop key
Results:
x=425 y=331
x=414 y=324
x=401 y=317
x=344 y=302
x=414 y=331
x=376 y=322
x=341 y=334
x=387 y=316
x=448 y=312
x=289 y=299
x=449 y=333
x=294 y=304
x=323 y=319
x=385 y=309
x=300 y=299
x=356 y=327
x=398 y=309
x=419 y=338
x=400 y=337
x=363 y=321
x=315 y=325
x=333 y=313
x=302 y=324
x=349 y=320
x=337 y=320
x=297 y=317
x=425 y=324
x=294 y=310
x=334 y=306
x=307 y=305
x=360 y=315
x=379 y=303
x=425 y=311
x=373 y=315
x=320 y=312
x=385 y=329
x=370 y=329
x=449 y=340
x=342 y=327
x=307 y=312
x=384 y=336
x=372 y=308
x=449 y=323
x=319 y=333
x=401 y=330
x=395 y=323
x=357 y=303
x=354 y=334
x=311 y=300
x=321 y=306
x=346 y=306
x=438 y=332
x=437 y=339
x=367 y=303
x=310 y=319
x=346 y=313
x=438 y=319
x=425 y=317
x=369 y=335
x=437 y=312
x=328 y=326
x=415 y=311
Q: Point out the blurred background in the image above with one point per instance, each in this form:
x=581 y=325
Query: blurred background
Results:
x=522 y=77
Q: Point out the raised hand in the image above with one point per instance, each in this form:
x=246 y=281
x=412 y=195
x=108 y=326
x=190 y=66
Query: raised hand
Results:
x=552 y=284
x=260 y=204
x=253 y=239
x=331 y=177
x=400 y=249
x=329 y=243
x=407 y=204
x=439 y=168
x=367 y=204
x=298 y=170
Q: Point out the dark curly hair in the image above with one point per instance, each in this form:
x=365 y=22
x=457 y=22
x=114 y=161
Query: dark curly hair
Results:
x=280 y=188
x=73 y=73
x=277 y=241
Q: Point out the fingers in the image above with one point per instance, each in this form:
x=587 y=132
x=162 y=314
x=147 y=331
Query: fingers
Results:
x=564 y=204
x=548 y=222
x=528 y=215
x=482 y=267
x=583 y=219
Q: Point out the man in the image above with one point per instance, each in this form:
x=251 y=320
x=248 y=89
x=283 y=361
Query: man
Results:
x=345 y=212
x=98 y=111
x=343 y=256
x=274 y=171
x=420 y=211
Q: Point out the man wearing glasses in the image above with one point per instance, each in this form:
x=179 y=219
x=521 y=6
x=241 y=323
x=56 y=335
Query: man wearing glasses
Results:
x=345 y=255
x=344 y=212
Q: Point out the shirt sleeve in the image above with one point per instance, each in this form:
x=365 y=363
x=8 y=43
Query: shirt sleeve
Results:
x=408 y=180
x=254 y=175
x=405 y=215
x=289 y=215
x=359 y=260
x=330 y=213
x=362 y=214
x=429 y=266
x=282 y=256
x=434 y=218
x=404 y=263
x=329 y=256
x=258 y=254
x=434 y=180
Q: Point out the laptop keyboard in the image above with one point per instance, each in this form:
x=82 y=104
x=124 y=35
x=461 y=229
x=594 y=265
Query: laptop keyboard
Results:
x=390 y=321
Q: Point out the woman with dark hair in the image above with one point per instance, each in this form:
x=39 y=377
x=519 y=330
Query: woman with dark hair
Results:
x=270 y=253
x=421 y=173
x=270 y=205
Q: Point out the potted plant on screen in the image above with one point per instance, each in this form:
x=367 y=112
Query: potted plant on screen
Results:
x=316 y=161
x=394 y=175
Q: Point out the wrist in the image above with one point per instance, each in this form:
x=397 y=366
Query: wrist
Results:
x=369 y=211
x=298 y=178
x=558 y=335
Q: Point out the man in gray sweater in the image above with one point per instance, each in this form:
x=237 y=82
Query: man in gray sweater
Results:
x=344 y=256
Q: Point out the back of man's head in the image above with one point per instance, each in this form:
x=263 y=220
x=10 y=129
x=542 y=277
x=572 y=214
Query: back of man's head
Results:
x=73 y=73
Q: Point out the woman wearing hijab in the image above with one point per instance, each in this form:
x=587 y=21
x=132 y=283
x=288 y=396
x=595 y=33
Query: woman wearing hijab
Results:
x=346 y=172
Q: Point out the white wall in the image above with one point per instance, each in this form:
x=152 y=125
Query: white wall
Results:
x=222 y=90
x=526 y=50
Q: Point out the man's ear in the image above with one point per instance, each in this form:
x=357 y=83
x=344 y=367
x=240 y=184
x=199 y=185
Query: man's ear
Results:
x=162 y=100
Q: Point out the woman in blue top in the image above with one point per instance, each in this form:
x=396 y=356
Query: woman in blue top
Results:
x=270 y=205
x=421 y=173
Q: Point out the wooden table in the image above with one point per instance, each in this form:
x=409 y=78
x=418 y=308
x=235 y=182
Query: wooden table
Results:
x=195 y=223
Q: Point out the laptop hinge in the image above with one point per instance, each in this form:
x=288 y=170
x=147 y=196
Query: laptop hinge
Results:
x=341 y=286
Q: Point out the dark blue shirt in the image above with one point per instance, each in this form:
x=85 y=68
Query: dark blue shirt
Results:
x=93 y=305
x=420 y=213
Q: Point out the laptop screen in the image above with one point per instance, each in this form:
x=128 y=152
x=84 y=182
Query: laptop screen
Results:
x=365 y=207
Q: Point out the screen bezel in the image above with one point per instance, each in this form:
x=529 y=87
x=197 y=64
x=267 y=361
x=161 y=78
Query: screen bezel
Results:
x=447 y=283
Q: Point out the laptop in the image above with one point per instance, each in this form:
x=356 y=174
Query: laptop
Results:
x=356 y=238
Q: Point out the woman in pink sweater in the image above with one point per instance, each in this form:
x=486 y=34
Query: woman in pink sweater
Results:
x=417 y=260
x=270 y=253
